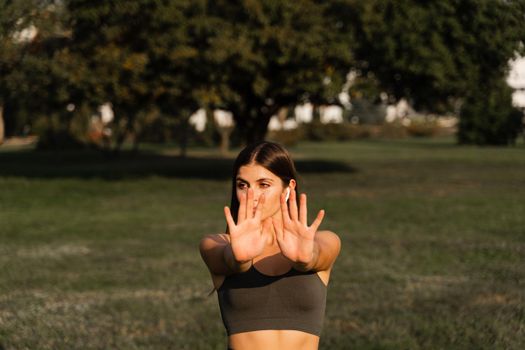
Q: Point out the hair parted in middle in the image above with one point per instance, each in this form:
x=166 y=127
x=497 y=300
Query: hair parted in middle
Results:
x=270 y=155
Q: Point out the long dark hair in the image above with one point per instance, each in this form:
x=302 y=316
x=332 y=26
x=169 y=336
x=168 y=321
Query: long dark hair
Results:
x=270 y=155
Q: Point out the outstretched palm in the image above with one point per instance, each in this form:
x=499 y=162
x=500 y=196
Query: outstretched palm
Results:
x=294 y=236
x=247 y=235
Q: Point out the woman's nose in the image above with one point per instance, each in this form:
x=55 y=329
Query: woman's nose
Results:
x=257 y=195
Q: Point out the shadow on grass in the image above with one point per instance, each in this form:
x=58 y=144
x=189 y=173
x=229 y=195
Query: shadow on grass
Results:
x=92 y=164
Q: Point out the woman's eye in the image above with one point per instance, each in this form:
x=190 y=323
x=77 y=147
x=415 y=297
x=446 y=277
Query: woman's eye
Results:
x=241 y=186
x=265 y=185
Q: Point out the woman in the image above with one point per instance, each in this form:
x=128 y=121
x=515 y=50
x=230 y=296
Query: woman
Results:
x=270 y=268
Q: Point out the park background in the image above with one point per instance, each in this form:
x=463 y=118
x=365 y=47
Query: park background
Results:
x=120 y=120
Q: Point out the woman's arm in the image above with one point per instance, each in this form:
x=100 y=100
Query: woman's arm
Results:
x=327 y=246
x=216 y=252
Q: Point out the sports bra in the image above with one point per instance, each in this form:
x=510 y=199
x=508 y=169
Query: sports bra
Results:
x=251 y=301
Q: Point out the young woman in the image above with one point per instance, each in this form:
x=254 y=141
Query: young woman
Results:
x=270 y=268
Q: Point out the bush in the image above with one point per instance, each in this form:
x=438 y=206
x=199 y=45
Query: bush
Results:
x=488 y=118
x=394 y=130
x=337 y=132
x=287 y=137
x=346 y=131
x=61 y=132
x=422 y=127
x=317 y=131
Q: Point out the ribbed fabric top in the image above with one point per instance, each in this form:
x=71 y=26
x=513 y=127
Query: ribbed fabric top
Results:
x=253 y=301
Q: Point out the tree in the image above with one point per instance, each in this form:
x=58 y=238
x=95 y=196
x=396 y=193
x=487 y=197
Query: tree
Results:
x=14 y=17
x=487 y=116
x=108 y=38
x=36 y=69
x=144 y=57
x=436 y=53
x=265 y=55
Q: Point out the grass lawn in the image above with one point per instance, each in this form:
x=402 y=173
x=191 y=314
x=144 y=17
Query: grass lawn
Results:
x=100 y=253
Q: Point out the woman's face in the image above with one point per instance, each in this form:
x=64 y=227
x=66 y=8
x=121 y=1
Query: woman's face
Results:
x=261 y=180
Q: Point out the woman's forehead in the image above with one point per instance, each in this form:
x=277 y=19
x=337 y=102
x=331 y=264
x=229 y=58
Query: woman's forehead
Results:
x=254 y=172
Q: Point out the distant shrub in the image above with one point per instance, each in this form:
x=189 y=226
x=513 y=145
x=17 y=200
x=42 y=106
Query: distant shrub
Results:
x=488 y=117
x=287 y=137
x=422 y=127
x=394 y=130
x=61 y=132
x=156 y=129
x=356 y=131
x=316 y=131
x=338 y=132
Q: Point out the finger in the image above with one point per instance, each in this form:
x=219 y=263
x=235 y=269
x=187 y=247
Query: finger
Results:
x=249 y=204
x=293 y=205
x=284 y=209
x=267 y=225
x=260 y=205
x=279 y=232
x=318 y=220
x=229 y=218
x=241 y=214
x=303 y=214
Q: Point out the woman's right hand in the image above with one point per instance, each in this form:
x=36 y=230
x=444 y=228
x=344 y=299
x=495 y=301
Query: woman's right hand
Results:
x=247 y=236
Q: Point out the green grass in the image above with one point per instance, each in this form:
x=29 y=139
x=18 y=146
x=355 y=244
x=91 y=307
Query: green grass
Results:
x=100 y=253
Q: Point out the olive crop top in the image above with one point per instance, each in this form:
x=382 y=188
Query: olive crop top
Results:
x=251 y=301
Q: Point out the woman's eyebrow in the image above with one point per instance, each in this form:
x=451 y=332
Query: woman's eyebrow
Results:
x=258 y=180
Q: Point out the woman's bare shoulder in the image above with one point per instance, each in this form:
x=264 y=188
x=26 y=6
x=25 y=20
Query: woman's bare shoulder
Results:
x=330 y=240
x=328 y=235
x=218 y=236
x=215 y=239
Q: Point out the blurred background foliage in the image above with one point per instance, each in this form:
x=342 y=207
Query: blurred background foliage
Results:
x=158 y=61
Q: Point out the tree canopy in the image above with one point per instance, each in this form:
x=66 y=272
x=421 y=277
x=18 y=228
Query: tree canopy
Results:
x=433 y=51
x=251 y=57
x=260 y=56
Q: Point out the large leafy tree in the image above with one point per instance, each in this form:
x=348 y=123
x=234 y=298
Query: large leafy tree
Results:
x=438 y=53
x=38 y=73
x=141 y=56
x=487 y=116
x=14 y=18
x=251 y=57
x=265 y=55
x=108 y=36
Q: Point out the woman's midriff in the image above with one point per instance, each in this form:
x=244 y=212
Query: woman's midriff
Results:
x=273 y=339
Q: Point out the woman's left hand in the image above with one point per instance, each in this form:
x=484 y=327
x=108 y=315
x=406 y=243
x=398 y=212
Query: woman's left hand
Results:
x=294 y=236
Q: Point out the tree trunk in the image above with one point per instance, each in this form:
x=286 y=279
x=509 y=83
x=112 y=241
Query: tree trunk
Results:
x=2 y=125
x=258 y=129
x=136 y=141
x=119 y=141
x=210 y=128
x=225 y=140
x=316 y=114
x=122 y=133
x=183 y=140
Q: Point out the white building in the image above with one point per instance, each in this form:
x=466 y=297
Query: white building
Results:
x=223 y=119
x=516 y=80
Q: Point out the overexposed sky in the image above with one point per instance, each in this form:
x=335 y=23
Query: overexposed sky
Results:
x=516 y=78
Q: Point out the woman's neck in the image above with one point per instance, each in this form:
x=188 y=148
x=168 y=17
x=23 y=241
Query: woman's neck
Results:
x=271 y=242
